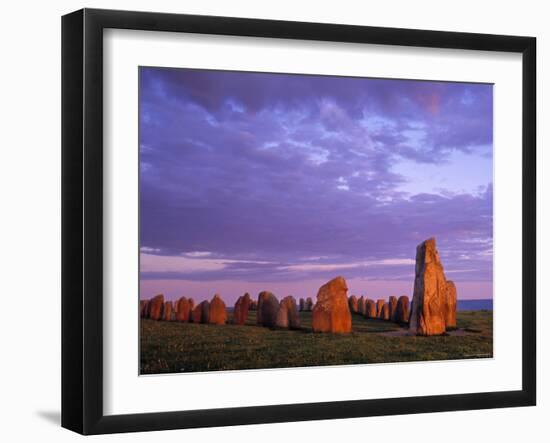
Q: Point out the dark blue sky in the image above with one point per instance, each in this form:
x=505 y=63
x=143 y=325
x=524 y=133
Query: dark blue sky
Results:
x=281 y=182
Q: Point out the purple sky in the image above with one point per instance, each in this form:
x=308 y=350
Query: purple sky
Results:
x=252 y=181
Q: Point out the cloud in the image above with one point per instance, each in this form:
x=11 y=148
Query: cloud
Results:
x=198 y=254
x=178 y=264
x=346 y=266
x=246 y=174
x=148 y=249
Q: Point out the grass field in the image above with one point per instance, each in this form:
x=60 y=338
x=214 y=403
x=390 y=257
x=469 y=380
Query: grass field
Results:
x=168 y=347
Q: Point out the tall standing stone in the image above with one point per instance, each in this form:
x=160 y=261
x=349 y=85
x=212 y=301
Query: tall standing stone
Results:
x=430 y=292
x=287 y=315
x=302 y=304
x=268 y=306
x=450 y=306
x=402 y=310
x=156 y=307
x=240 y=311
x=309 y=304
x=331 y=312
x=370 y=309
x=217 y=314
x=393 y=307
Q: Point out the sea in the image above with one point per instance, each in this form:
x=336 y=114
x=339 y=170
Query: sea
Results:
x=475 y=305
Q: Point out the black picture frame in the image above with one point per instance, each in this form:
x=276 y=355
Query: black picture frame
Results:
x=82 y=216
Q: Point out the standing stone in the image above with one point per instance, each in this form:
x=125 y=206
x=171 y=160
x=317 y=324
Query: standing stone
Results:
x=361 y=305
x=385 y=312
x=191 y=303
x=268 y=306
x=370 y=309
x=183 y=309
x=294 y=321
x=217 y=312
x=302 y=304
x=309 y=304
x=430 y=292
x=393 y=307
x=287 y=315
x=167 y=314
x=402 y=310
x=156 y=307
x=450 y=306
x=253 y=305
x=353 y=304
x=205 y=311
x=201 y=312
x=148 y=309
x=196 y=314
x=379 y=306
x=331 y=311
x=143 y=308
x=240 y=311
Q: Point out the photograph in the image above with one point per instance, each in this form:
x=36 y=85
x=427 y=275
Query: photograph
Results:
x=293 y=220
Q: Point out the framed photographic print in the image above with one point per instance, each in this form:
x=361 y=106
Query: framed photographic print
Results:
x=313 y=220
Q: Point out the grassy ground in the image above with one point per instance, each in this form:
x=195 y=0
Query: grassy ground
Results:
x=185 y=347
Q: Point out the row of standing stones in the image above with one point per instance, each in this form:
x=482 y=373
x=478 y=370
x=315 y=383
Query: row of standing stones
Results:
x=431 y=312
